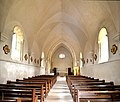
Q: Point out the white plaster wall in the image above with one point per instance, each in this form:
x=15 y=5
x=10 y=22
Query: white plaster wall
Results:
x=110 y=71
x=42 y=70
x=12 y=71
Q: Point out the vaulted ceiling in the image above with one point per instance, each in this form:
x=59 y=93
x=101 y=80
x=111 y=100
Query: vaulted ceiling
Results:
x=48 y=22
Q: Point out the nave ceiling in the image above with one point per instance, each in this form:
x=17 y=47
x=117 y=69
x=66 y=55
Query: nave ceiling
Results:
x=47 y=23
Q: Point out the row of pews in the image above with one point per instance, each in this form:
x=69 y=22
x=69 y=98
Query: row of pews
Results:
x=87 y=89
x=29 y=89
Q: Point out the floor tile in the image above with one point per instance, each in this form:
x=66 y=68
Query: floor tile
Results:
x=59 y=92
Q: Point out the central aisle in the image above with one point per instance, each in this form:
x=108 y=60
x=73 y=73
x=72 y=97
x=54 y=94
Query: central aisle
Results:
x=59 y=92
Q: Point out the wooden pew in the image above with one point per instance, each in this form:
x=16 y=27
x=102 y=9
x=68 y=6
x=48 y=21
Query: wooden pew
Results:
x=22 y=85
x=72 y=87
x=98 y=96
x=49 y=82
x=46 y=86
x=85 y=89
x=40 y=89
x=14 y=94
x=18 y=100
x=41 y=78
x=71 y=79
x=48 y=79
x=52 y=78
x=92 y=88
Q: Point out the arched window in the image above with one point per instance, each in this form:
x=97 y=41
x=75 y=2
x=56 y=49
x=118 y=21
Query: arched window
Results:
x=62 y=56
x=17 y=43
x=42 y=59
x=103 y=45
x=81 y=63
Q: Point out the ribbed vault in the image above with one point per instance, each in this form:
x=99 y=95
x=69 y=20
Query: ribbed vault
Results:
x=46 y=22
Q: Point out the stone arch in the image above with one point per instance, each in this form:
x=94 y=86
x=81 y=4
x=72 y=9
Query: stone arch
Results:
x=8 y=27
x=109 y=24
x=8 y=32
x=55 y=46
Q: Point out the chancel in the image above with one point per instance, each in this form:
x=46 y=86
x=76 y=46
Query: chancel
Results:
x=59 y=50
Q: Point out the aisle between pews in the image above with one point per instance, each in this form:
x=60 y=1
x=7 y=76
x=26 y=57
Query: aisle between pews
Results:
x=60 y=92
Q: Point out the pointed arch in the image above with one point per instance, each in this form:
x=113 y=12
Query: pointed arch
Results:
x=17 y=43
x=66 y=45
x=103 y=45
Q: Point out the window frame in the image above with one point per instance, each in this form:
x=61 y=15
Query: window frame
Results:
x=17 y=44
x=103 y=45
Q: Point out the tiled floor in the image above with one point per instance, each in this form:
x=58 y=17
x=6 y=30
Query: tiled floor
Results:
x=60 y=92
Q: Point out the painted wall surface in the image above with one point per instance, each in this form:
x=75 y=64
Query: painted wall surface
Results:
x=109 y=71
x=12 y=71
